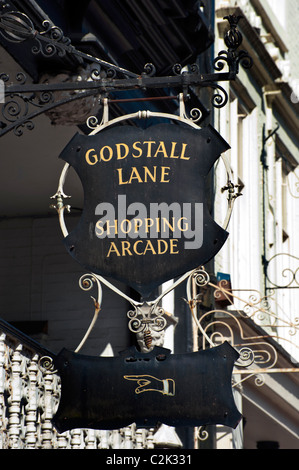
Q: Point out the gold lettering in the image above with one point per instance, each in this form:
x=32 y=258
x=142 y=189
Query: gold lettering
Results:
x=148 y=223
x=126 y=248
x=122 y=150
x=113 y=226
x=137 y=225
x=135 y=175
x=149 y=247
x=135 y=147
x=179 y=224
x=118 y=151
x=152 y=176
x=160 y=252
x=183 y=152
x=161 y=149
x=135 y=247
x=173 y=246
x=157 y=224
x=129 y=226
x=113 y=249
x=162 y=246
x=165 y=222
x=110 y=153
x=99 y=228
x=120 y=176
x=149 y=147
x=172 y=155
x=164 y=173
x=94 y=156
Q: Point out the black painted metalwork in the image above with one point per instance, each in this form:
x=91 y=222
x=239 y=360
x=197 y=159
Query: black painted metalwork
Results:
x=25 y=101
x=179 y=390
x=233 y=40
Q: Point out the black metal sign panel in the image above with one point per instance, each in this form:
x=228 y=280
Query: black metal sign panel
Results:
x=190 y=389
x=145 y=219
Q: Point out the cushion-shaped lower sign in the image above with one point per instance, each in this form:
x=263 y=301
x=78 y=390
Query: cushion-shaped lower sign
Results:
x=189 y=389
x=145 y=217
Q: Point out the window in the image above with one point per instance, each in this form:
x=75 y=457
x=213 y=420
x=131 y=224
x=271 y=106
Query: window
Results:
x=288 y=187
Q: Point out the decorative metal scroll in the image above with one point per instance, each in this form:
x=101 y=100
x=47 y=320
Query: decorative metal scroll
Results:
x=287 y=275
x=17 y=27
x=233 y=40
x=258 y=355
x=147 y=319
x=97 y=78
x=292 y=179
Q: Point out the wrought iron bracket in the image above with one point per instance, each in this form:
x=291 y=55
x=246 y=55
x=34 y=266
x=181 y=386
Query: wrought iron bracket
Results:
x=24 y=101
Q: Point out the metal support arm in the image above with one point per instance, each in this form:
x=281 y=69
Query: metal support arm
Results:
x=24 y=101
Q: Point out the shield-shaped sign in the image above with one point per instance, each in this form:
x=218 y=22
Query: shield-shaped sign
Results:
x=145 y=218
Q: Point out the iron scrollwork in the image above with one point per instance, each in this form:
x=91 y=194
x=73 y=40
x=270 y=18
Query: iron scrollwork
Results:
x=233 y=40
x=257 y=354
x=289 y=275
x=26 y=101
x=16 y=111
x=46 y=364
x=17 y=27
x=293 y=188
x=146 y=320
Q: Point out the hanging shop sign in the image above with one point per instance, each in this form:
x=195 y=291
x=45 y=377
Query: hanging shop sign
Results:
x=189 y=389
x=145 y=217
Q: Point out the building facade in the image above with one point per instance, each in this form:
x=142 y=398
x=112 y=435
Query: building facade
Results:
x=261 y=256
x=247 y=295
